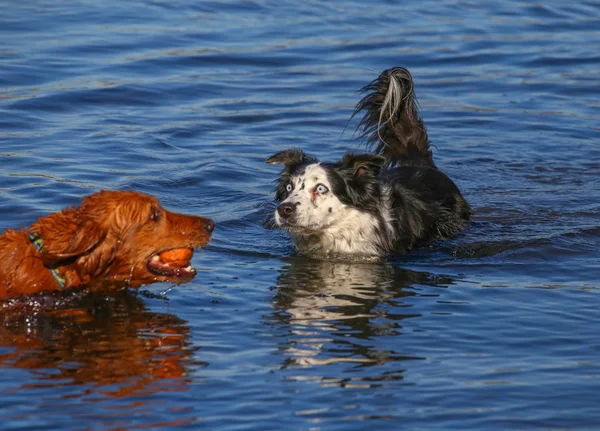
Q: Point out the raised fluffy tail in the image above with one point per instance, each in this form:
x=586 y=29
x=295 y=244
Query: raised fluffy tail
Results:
x=392 y=120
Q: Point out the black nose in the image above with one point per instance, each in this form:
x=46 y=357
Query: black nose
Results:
x=286 y=209
x=209 y=226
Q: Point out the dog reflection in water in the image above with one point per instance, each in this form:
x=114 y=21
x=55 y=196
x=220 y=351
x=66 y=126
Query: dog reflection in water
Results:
x=110 y=343
x=330 y=306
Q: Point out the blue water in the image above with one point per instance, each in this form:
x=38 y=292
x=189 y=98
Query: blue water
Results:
x=498 y=328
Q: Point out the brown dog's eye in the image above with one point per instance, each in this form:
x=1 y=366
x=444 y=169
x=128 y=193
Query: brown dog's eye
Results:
x=155 y=214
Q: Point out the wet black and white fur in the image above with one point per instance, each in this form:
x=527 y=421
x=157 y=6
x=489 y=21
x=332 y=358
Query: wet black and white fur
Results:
x=371 y=204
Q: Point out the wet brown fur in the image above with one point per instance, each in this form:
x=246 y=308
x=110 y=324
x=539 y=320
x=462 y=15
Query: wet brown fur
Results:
x=103 y=243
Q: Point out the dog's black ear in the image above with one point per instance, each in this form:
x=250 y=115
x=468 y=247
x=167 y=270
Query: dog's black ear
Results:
x=358 y=183
x=288 y=157
x=363 y=164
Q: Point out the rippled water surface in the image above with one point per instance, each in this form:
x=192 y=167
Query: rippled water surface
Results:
x=495 y=329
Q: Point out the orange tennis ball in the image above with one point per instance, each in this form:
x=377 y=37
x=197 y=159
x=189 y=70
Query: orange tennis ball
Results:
x=178 y=257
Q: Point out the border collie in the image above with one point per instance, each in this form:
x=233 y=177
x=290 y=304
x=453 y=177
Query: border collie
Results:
x=371 y=204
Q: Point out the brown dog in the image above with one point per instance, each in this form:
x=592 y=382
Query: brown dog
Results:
x=114 y=239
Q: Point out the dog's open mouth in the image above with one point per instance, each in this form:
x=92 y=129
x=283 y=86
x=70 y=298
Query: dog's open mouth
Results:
x=172 y=263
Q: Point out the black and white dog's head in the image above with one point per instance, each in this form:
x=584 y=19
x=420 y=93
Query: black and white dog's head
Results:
x=329 y=207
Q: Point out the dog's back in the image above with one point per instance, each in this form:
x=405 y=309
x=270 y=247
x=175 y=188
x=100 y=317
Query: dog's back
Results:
x=426 y=202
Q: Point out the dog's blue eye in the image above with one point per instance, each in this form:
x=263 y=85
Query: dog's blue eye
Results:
x=321 y=189
x=289 y=188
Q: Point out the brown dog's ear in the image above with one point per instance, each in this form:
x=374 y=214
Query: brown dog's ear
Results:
x=101 y=257
x=288 y=157
x=66 y=235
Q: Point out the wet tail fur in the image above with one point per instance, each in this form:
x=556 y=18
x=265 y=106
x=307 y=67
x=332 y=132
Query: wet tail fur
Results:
x=392 y=122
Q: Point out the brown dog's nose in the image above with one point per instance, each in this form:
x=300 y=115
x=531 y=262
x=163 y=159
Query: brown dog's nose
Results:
x=209 y=226
x=286 y=209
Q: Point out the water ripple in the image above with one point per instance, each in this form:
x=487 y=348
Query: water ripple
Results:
x=494 y=329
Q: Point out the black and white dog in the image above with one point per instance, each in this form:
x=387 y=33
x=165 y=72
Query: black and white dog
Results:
x=371 y=204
